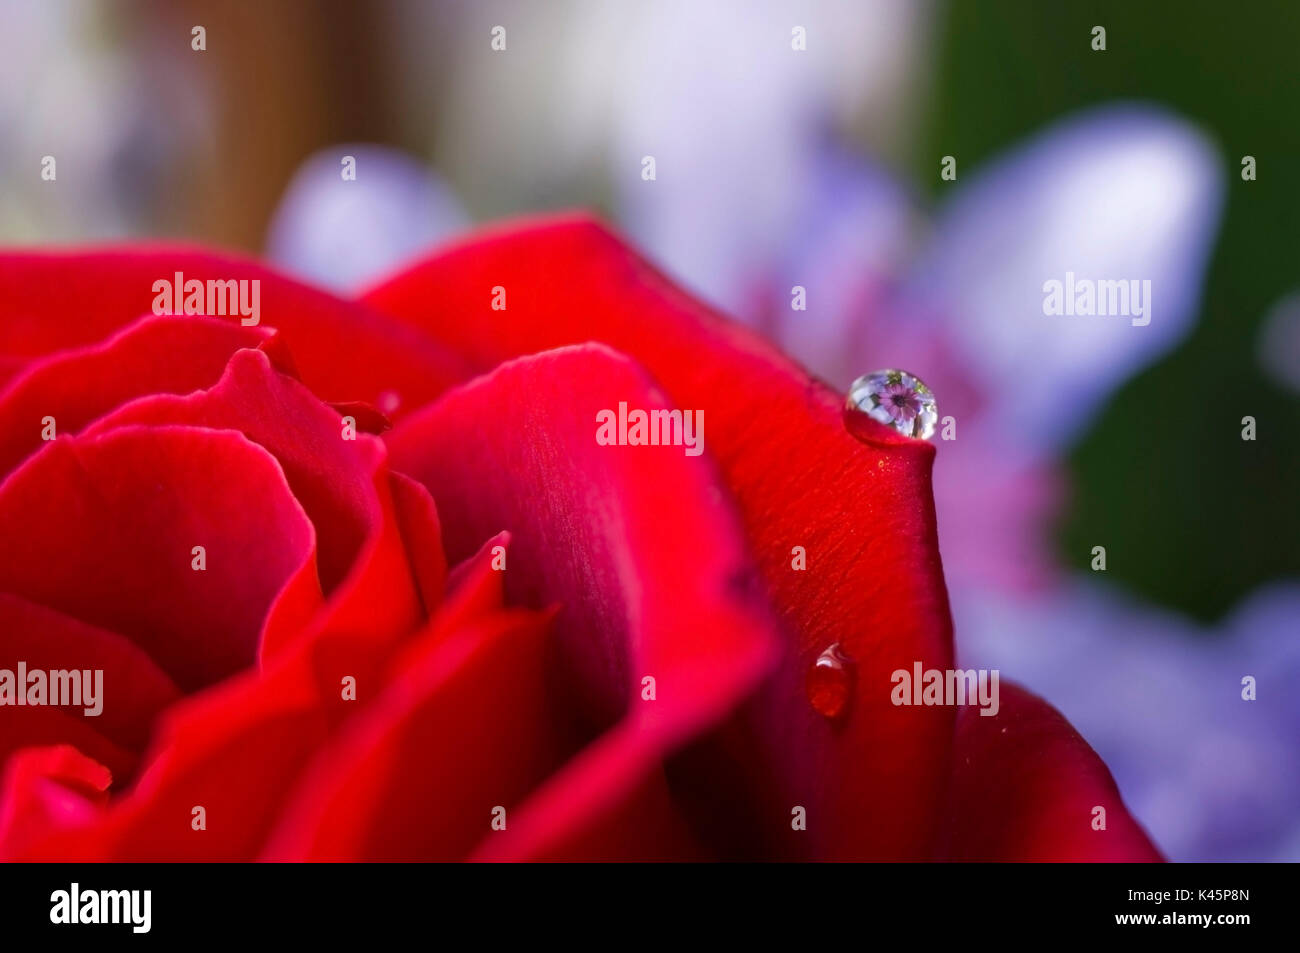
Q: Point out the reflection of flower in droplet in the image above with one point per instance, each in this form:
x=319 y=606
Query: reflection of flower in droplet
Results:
x=900 y=401
x=894 y=398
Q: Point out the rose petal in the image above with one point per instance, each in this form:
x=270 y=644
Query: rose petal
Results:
x=342 y=485
x=154 y=355
x=613 y=535
x=47 y=788
x=1025 y=787
x=232 y=750
x=134 y=690
x=862 y=511
x=101 y=528
x=35 y=727
x=473 y=586
x=464 y=726
x=57 y=300
x=239 y=747
x=417 y=520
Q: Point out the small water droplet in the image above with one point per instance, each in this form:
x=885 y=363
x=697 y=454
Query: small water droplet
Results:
x=896 y=399
x=830 y=682
x=389 y=401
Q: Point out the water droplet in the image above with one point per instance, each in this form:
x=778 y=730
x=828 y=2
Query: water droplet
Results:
x=830 y=682
x=388 y=402
x=896 y=399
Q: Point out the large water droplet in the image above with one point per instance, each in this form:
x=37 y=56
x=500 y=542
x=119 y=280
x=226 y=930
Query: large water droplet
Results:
x=896 y=399
x=830 y=682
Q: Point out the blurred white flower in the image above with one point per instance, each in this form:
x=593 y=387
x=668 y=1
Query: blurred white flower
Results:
x=1278 y=345
x=344 y=233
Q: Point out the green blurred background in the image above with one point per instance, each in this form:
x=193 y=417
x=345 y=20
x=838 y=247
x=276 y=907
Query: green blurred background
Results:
x=1200 y=519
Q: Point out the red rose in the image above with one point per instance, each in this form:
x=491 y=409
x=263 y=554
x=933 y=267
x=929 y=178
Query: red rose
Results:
x=344 y=671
